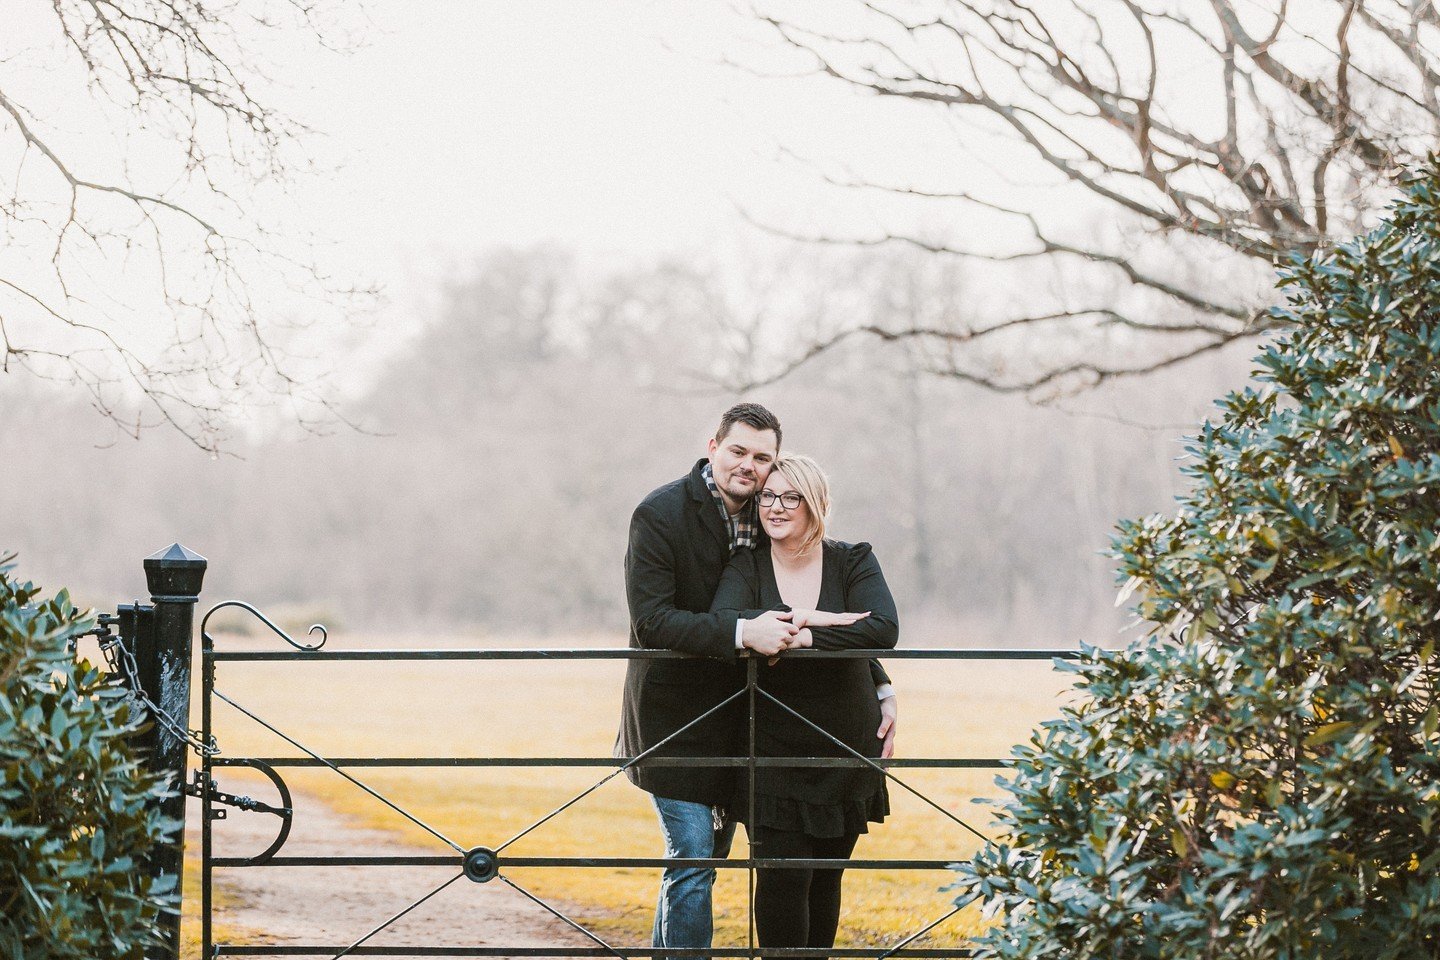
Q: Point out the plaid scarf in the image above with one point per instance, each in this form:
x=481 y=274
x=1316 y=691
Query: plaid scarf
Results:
x=744 y=527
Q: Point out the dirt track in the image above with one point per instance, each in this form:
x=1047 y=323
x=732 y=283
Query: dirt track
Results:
x=338 y=905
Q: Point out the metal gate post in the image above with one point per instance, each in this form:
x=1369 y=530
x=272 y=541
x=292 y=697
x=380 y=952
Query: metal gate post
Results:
x=173 y=577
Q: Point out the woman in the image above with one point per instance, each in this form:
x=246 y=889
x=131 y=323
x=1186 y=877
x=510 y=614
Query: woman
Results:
x=810 y=812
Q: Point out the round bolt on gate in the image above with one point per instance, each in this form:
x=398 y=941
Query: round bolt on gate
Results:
x=482 y=864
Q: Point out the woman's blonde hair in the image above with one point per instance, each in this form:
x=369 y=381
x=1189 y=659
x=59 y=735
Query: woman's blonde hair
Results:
x=806 y=476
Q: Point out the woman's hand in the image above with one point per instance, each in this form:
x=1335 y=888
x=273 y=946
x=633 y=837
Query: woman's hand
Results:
x=823 y=618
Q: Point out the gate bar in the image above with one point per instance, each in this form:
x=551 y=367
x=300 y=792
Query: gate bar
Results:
x=296 y=950
x=981 y=763
x=436 y=860
x=626 y=653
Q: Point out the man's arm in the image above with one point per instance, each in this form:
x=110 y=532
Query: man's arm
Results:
x=650 y=593
x=889 y=714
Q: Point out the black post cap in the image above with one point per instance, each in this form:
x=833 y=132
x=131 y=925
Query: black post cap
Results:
x=175 y=574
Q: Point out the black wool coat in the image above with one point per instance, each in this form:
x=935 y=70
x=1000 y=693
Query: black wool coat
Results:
x=679 y=546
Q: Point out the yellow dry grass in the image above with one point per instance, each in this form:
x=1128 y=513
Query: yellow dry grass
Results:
x=190 y=945
x=570 y=708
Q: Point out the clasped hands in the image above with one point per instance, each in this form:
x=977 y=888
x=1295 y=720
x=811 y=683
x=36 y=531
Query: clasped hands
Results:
x=775 y=631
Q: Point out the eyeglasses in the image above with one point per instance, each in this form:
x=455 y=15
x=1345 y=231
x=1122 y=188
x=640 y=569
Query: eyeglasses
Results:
x=789 y=499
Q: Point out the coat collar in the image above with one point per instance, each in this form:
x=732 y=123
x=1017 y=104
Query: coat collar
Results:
x=704 y=501
x=695 y=482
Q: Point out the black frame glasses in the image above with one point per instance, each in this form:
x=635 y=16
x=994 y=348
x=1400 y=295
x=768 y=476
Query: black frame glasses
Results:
x=789 y=500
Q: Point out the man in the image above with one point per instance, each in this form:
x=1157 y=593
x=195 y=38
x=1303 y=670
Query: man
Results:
x=681 y=537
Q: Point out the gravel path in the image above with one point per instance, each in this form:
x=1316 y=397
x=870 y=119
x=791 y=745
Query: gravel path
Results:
x=339 y=905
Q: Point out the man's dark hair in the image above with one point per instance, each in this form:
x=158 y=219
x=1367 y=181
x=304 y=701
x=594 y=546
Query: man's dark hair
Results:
x=752 y=415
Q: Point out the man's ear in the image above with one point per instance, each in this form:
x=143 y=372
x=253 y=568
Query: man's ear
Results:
x=712 y=446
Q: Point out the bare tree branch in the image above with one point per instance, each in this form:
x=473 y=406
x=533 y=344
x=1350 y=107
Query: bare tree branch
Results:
x=179 y=77
x=1046 y=248
x=1233 y=135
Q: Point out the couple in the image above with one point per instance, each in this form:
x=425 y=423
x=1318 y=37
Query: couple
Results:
x=729 y=560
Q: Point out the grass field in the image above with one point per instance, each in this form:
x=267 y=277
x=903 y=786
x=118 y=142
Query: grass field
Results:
x=570 y=708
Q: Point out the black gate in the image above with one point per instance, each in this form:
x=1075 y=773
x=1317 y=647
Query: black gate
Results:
x=152 y=655
x=489 y=863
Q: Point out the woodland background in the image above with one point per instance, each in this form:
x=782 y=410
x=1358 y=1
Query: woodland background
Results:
x=501 y=449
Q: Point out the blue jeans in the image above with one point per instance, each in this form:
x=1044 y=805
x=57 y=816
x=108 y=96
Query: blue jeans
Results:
x=683 y=910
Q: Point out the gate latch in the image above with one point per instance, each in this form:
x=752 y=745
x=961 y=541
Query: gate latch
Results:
x=204 y=785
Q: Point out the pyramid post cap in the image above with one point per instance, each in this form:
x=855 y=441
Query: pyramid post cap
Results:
x=175 y=574
x=176 y=553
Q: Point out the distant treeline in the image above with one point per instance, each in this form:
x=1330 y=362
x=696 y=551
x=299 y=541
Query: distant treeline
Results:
x=509 y=440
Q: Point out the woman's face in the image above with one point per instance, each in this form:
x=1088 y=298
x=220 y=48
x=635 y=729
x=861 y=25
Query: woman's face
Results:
x=783 y=523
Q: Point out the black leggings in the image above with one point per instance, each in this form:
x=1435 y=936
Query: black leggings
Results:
x=798 y=908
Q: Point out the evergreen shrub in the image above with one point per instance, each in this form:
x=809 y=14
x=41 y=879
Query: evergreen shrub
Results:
x=1258 y=777
x=78 y=815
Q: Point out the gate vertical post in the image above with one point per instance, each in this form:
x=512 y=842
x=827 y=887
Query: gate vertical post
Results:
x=751 y=678
x=173 y=577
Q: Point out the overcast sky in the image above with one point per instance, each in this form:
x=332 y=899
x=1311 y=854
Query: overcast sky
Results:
x=612 y=126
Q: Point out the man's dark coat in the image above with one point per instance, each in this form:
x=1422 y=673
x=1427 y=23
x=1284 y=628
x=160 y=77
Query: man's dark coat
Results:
x=679 y=546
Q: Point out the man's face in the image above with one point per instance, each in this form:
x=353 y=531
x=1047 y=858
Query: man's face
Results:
x=741 y=461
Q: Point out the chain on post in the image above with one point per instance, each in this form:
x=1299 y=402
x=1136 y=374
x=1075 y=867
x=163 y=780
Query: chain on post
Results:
x=122 y=663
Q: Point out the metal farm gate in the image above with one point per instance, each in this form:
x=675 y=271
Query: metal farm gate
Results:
x=140 y=643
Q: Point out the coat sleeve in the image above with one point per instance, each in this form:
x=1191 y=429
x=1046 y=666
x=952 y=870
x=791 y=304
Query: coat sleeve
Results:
x=739 y=589
x=650 y=592
x=877 y=673
x=865 y=589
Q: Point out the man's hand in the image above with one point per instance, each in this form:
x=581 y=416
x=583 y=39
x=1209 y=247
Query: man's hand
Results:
x=801 y=639
x=824 y=618
x=768 y=633
x=889 y=714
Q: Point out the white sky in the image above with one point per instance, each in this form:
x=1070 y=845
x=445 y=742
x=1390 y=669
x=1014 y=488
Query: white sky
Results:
x=599 y=124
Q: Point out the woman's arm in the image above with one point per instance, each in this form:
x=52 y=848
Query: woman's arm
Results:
x=865 y=589
x=824 y=618
x=739 y=589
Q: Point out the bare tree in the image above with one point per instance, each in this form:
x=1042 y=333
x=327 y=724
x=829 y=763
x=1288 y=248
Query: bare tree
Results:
x=140 y=157
x=1214 y=135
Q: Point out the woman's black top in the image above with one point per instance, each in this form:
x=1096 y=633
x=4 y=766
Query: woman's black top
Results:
x=837 y=696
